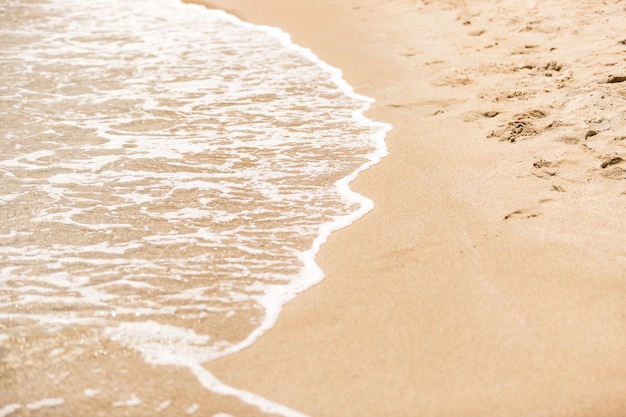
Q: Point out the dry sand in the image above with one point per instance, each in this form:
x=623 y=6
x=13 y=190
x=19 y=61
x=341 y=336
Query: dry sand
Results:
x=490 y=280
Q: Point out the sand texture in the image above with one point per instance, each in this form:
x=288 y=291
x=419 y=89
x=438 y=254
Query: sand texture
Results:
x=490 y=279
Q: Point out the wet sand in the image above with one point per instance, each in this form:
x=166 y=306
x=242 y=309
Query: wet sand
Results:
x=490 y=279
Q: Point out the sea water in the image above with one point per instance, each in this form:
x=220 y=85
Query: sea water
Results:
x=167 y=176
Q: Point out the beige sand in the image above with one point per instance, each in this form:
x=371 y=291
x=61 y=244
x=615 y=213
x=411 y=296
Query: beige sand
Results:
x=490 y=280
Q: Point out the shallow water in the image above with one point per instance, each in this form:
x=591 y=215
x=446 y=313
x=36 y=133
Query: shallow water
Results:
x=167 y=175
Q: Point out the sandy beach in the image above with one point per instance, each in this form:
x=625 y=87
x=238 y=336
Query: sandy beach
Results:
x=490 y=279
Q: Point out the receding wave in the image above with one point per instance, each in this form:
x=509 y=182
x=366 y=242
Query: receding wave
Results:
x=168 y=173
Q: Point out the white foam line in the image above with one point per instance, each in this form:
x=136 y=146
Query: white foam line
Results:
x=46 y=402
x=9 y=409
x=211 y=383
x=311 y=273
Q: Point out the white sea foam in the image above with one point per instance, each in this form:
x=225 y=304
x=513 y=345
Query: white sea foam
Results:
x=167 y=167
x=9 y=409
x=46 y=402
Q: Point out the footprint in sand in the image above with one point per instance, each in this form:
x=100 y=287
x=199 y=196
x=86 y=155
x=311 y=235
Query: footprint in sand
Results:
x=521 y=126
x=522 y=214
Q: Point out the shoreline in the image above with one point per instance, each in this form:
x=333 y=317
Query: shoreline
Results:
x=489 y=279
